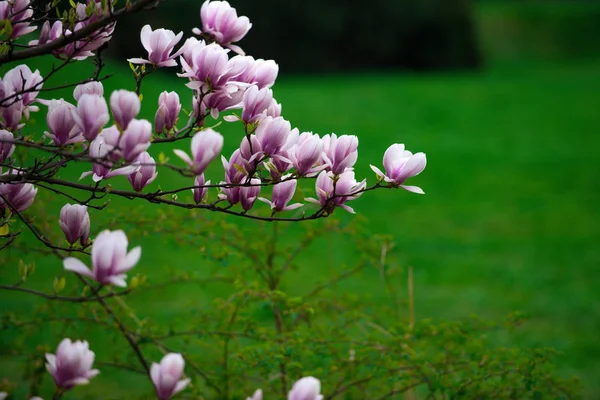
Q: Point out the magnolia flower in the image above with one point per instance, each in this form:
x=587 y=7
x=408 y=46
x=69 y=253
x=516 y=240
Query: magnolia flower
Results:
x=207 y=63
x=6 y=144
x=168 y=111
x=307 y=388
x=273 y=134
x=103 y=151
x=206 y=146
x=75 y=223
x=91 y=115
x=335 y=190
x=22 y=81
x=135 y=139
x=159 y=44
x=258 y=395
x=166 y=376
x=340 y=152
x=146 y=174
x=236 y=167
x=306 y=153
x=221 y=22
x=200 y=191
x=125 y=106
x=110 y=259
x=249 y=194
x=93 y=87
x=282 y=194
x=19 y=13
x=72 y=364
x=19 y=196
x=256 y=103
x=222 y=100
x=61 y=123
x=400 y=165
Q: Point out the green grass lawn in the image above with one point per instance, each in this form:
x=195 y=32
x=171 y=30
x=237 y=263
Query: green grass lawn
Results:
x=509 y=221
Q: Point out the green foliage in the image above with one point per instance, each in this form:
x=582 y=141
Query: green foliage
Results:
x=264 y=330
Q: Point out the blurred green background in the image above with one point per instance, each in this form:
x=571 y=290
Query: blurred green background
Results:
x=509 y=121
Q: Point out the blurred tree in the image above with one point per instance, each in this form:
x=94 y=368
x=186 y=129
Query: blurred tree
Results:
x=334 y=35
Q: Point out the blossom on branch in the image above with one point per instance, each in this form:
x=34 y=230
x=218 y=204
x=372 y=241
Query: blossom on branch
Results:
x=61 y=123
x=206 y=146
x=110 y=259
x=306 y=153
x=75 y=223
x=401 y=164
x=221 y=22
x=125 y=106
x=335 y=190
x=200 y=191
x=258 y=395
x=307 y=388
x=146 y=174
x=340 y=152
x=136 y=139
x=91 y=115
x=6 y=144
x=19 y=196
x=249 y=194
x=168 y=111
x=166 y=376
x=159 y=44
x=93 y=87
x=72 y=364
x=20 y=14
x=283 y=192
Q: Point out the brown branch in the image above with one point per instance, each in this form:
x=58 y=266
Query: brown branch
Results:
x=61 y=298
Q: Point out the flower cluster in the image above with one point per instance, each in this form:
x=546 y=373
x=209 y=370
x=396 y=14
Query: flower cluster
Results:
x=86 y=14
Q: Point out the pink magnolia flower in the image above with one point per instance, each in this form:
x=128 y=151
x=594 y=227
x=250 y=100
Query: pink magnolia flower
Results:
x=103 y=152
x=19 y=196
x=125 y=106
x=200 y=191
x=135 y=139
x=7 y=146
x=401 y=164
x=256 y=102
x=223 y=100
x=207 y=66
x=206 y=146
x=221 y=22
x=306 y=153
x=335 y=190
x=340 y=152
x=72 y=364
x=273 y=134
x=146 y=174
x=168 y=111
x=307 y=388
x=110 y=259
x=283 y=192
x=23 y=82
x=91 y=115
x=19 y=13
x=61 y=123
x=261 y=73
x=166 y=376
x=258 y=395
x=93 y=87
x=236 y=168
x=159 y=44
x=249 y=194
x=75 y=223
